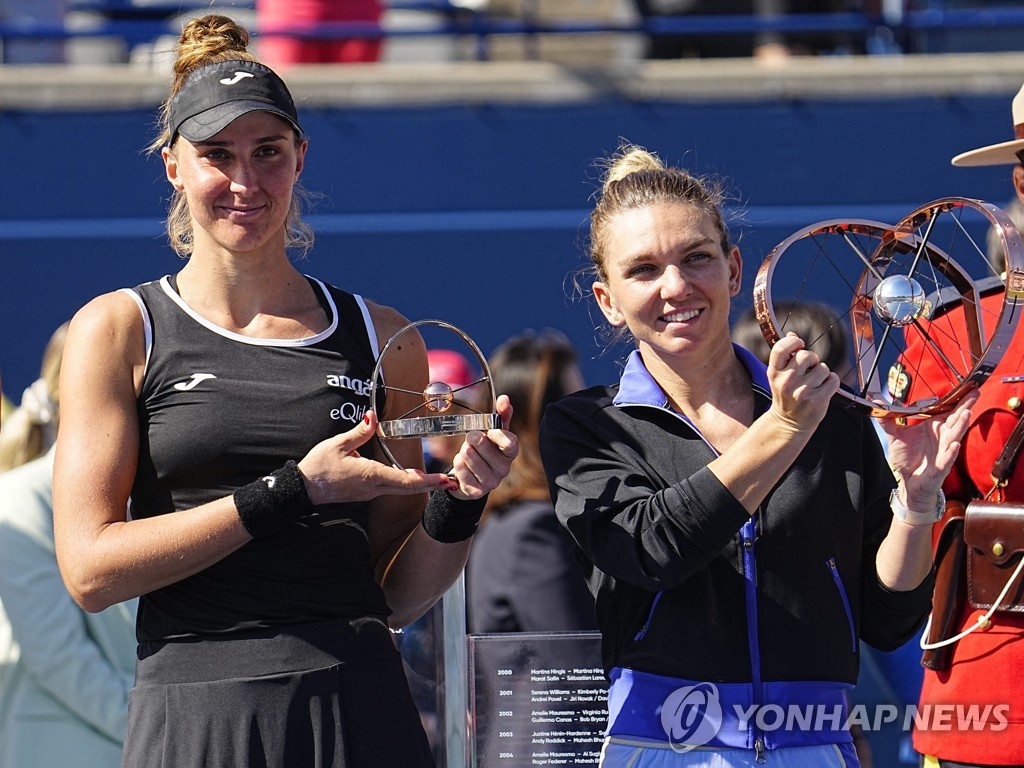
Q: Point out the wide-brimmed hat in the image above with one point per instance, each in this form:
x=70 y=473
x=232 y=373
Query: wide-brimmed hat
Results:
x=1000 y=154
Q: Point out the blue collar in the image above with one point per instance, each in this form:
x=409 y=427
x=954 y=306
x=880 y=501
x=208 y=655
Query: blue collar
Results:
x=638 y=387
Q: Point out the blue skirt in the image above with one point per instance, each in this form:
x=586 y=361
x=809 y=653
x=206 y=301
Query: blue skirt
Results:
x=331 y=694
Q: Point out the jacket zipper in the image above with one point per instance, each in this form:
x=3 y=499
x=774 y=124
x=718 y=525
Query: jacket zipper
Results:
x=834 y=569
x=747 y=535
x=650 y=616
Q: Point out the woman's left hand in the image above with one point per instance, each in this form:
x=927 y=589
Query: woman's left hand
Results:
x=922 y=452
x=485 y=457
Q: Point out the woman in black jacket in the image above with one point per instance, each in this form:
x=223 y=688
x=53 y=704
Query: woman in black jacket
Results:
x=740 y=532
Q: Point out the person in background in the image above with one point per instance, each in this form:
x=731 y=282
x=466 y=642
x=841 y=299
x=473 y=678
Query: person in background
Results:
x=740 y=531
x=456 y=371
x=985 y=666
x=215 y=459
x=766 y=44
x=669 y=46
x=40 y=50
x=65 y=681
x=6 y=409
x=31 y=429
x=816 y=323
x=522 y=575
x=310 y=16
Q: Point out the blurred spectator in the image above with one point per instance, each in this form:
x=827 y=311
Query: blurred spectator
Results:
x=817 y=324
x=522 y=575
x=767 y=44
x=6 y=408
x=64 y=673
x=809 y=43
x=33 y=50
x=454 y=370
x=668 y=46
x=31 y=429
x=310 y=15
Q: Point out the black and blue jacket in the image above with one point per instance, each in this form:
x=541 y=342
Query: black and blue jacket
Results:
x=690 y=589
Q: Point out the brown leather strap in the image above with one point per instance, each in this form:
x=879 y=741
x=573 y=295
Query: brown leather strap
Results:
x=1003 y=465
x=950 y=594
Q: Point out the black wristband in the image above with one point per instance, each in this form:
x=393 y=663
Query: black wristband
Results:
x=450 y=520
x=269 y=505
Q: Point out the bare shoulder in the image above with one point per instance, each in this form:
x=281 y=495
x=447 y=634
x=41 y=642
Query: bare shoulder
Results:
x=108 y=314
x=387 y=320
x=109 y=330
x=407 y=358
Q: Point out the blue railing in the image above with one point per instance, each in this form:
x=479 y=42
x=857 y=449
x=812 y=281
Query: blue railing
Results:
x=913 y=30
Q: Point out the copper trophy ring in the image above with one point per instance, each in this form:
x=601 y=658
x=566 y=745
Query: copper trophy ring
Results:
x=921 y=304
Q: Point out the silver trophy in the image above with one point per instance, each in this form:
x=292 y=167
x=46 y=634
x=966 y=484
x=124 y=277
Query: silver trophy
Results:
x=441 y=408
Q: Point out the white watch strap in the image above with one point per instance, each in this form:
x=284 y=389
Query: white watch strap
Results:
x=900 y=511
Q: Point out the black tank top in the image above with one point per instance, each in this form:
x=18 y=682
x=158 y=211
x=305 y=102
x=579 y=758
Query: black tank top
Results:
x=218 y=410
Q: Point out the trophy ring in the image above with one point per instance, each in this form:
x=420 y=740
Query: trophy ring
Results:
x=441 y=408
x=920 y=303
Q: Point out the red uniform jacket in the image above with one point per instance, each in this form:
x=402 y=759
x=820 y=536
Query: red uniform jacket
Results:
x=987 y=665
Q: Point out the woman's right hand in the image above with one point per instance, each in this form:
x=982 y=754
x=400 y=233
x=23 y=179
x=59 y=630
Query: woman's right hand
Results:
x=335 y=471
x=802 y=386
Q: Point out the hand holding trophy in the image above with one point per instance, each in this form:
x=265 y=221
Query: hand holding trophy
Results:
x=899 y=290
x=442 y=408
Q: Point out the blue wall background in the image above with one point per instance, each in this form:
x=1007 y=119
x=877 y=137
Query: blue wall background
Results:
x=471 y=214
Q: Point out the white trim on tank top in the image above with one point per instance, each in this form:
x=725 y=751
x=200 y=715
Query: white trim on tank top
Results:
x=165 y=283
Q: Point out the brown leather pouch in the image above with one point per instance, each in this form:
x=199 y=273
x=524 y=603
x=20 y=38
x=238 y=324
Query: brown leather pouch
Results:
x=994 y=534
x=950 y=589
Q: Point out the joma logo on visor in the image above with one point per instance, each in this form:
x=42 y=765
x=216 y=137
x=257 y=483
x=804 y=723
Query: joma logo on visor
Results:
x=238 y=76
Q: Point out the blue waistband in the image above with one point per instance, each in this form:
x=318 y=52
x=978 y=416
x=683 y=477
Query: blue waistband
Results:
x=693 y=713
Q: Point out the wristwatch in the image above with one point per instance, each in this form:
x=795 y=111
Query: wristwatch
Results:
x=900 y=511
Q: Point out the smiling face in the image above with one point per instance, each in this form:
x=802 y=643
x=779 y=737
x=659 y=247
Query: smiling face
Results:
x=668 y=280
x=239 y=183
